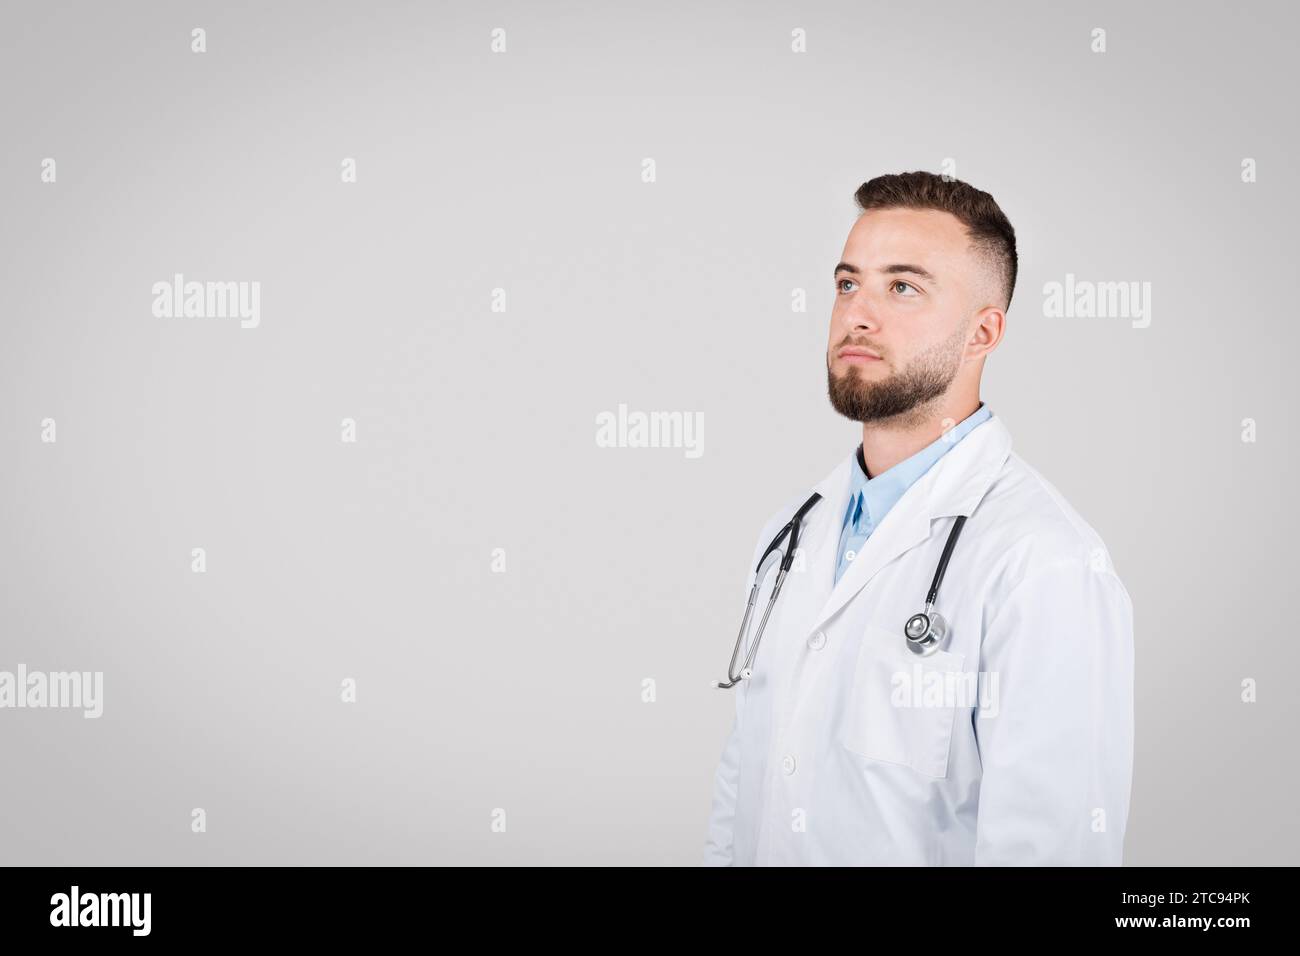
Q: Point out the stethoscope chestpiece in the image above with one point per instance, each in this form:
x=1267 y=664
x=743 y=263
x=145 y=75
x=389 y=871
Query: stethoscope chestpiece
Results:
x=924 y=630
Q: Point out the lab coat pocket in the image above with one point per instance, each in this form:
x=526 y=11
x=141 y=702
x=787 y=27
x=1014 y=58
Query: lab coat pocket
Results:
x=899 y=710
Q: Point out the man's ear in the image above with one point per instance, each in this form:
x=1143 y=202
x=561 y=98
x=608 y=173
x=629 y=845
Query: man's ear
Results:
x=990 y=323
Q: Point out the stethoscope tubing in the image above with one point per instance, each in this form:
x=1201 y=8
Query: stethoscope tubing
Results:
x=792 y=529
x=953 y=535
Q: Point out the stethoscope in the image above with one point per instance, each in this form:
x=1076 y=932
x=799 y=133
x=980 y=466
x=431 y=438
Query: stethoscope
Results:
x=923 y=630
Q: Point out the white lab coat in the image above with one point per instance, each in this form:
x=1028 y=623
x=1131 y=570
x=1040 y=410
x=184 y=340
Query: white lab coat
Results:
x=824 y=766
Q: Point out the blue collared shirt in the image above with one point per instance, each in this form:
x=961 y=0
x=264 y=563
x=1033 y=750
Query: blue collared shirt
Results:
x=871 y=498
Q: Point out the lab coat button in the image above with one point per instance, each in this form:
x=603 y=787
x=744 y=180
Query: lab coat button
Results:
x=787 y=764
x=817 y=641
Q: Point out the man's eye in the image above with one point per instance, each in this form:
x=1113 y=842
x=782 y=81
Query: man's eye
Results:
x=839 y=283
x=906 y=285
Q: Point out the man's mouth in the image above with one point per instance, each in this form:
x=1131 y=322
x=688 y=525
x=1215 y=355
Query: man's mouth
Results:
x=857 y=355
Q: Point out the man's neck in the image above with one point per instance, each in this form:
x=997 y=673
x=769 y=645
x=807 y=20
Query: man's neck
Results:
x=886 y=442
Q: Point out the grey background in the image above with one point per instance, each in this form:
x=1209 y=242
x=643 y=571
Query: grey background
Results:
x=476 y=429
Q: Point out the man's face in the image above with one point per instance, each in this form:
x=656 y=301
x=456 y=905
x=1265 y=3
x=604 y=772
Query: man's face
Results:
x=903 y=298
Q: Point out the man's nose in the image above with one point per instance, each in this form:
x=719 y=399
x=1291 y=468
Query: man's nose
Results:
x=860 y=315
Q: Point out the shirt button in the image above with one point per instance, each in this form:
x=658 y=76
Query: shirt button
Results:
x=817 y=641
x=787 y=764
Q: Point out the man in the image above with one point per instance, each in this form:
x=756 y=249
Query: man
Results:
x=1009 y=740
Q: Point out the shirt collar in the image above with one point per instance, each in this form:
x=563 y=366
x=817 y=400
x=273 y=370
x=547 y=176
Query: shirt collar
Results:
x=880 y=493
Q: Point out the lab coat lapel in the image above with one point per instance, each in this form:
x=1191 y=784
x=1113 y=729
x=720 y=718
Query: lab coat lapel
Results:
x=953 y=486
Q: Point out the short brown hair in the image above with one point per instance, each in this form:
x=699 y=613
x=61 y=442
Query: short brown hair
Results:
x=989 y=230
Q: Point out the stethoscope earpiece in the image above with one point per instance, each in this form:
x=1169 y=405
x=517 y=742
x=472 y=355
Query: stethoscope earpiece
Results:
x=783 y=560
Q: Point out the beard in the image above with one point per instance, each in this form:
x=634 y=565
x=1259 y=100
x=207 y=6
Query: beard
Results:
x=924 y=379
